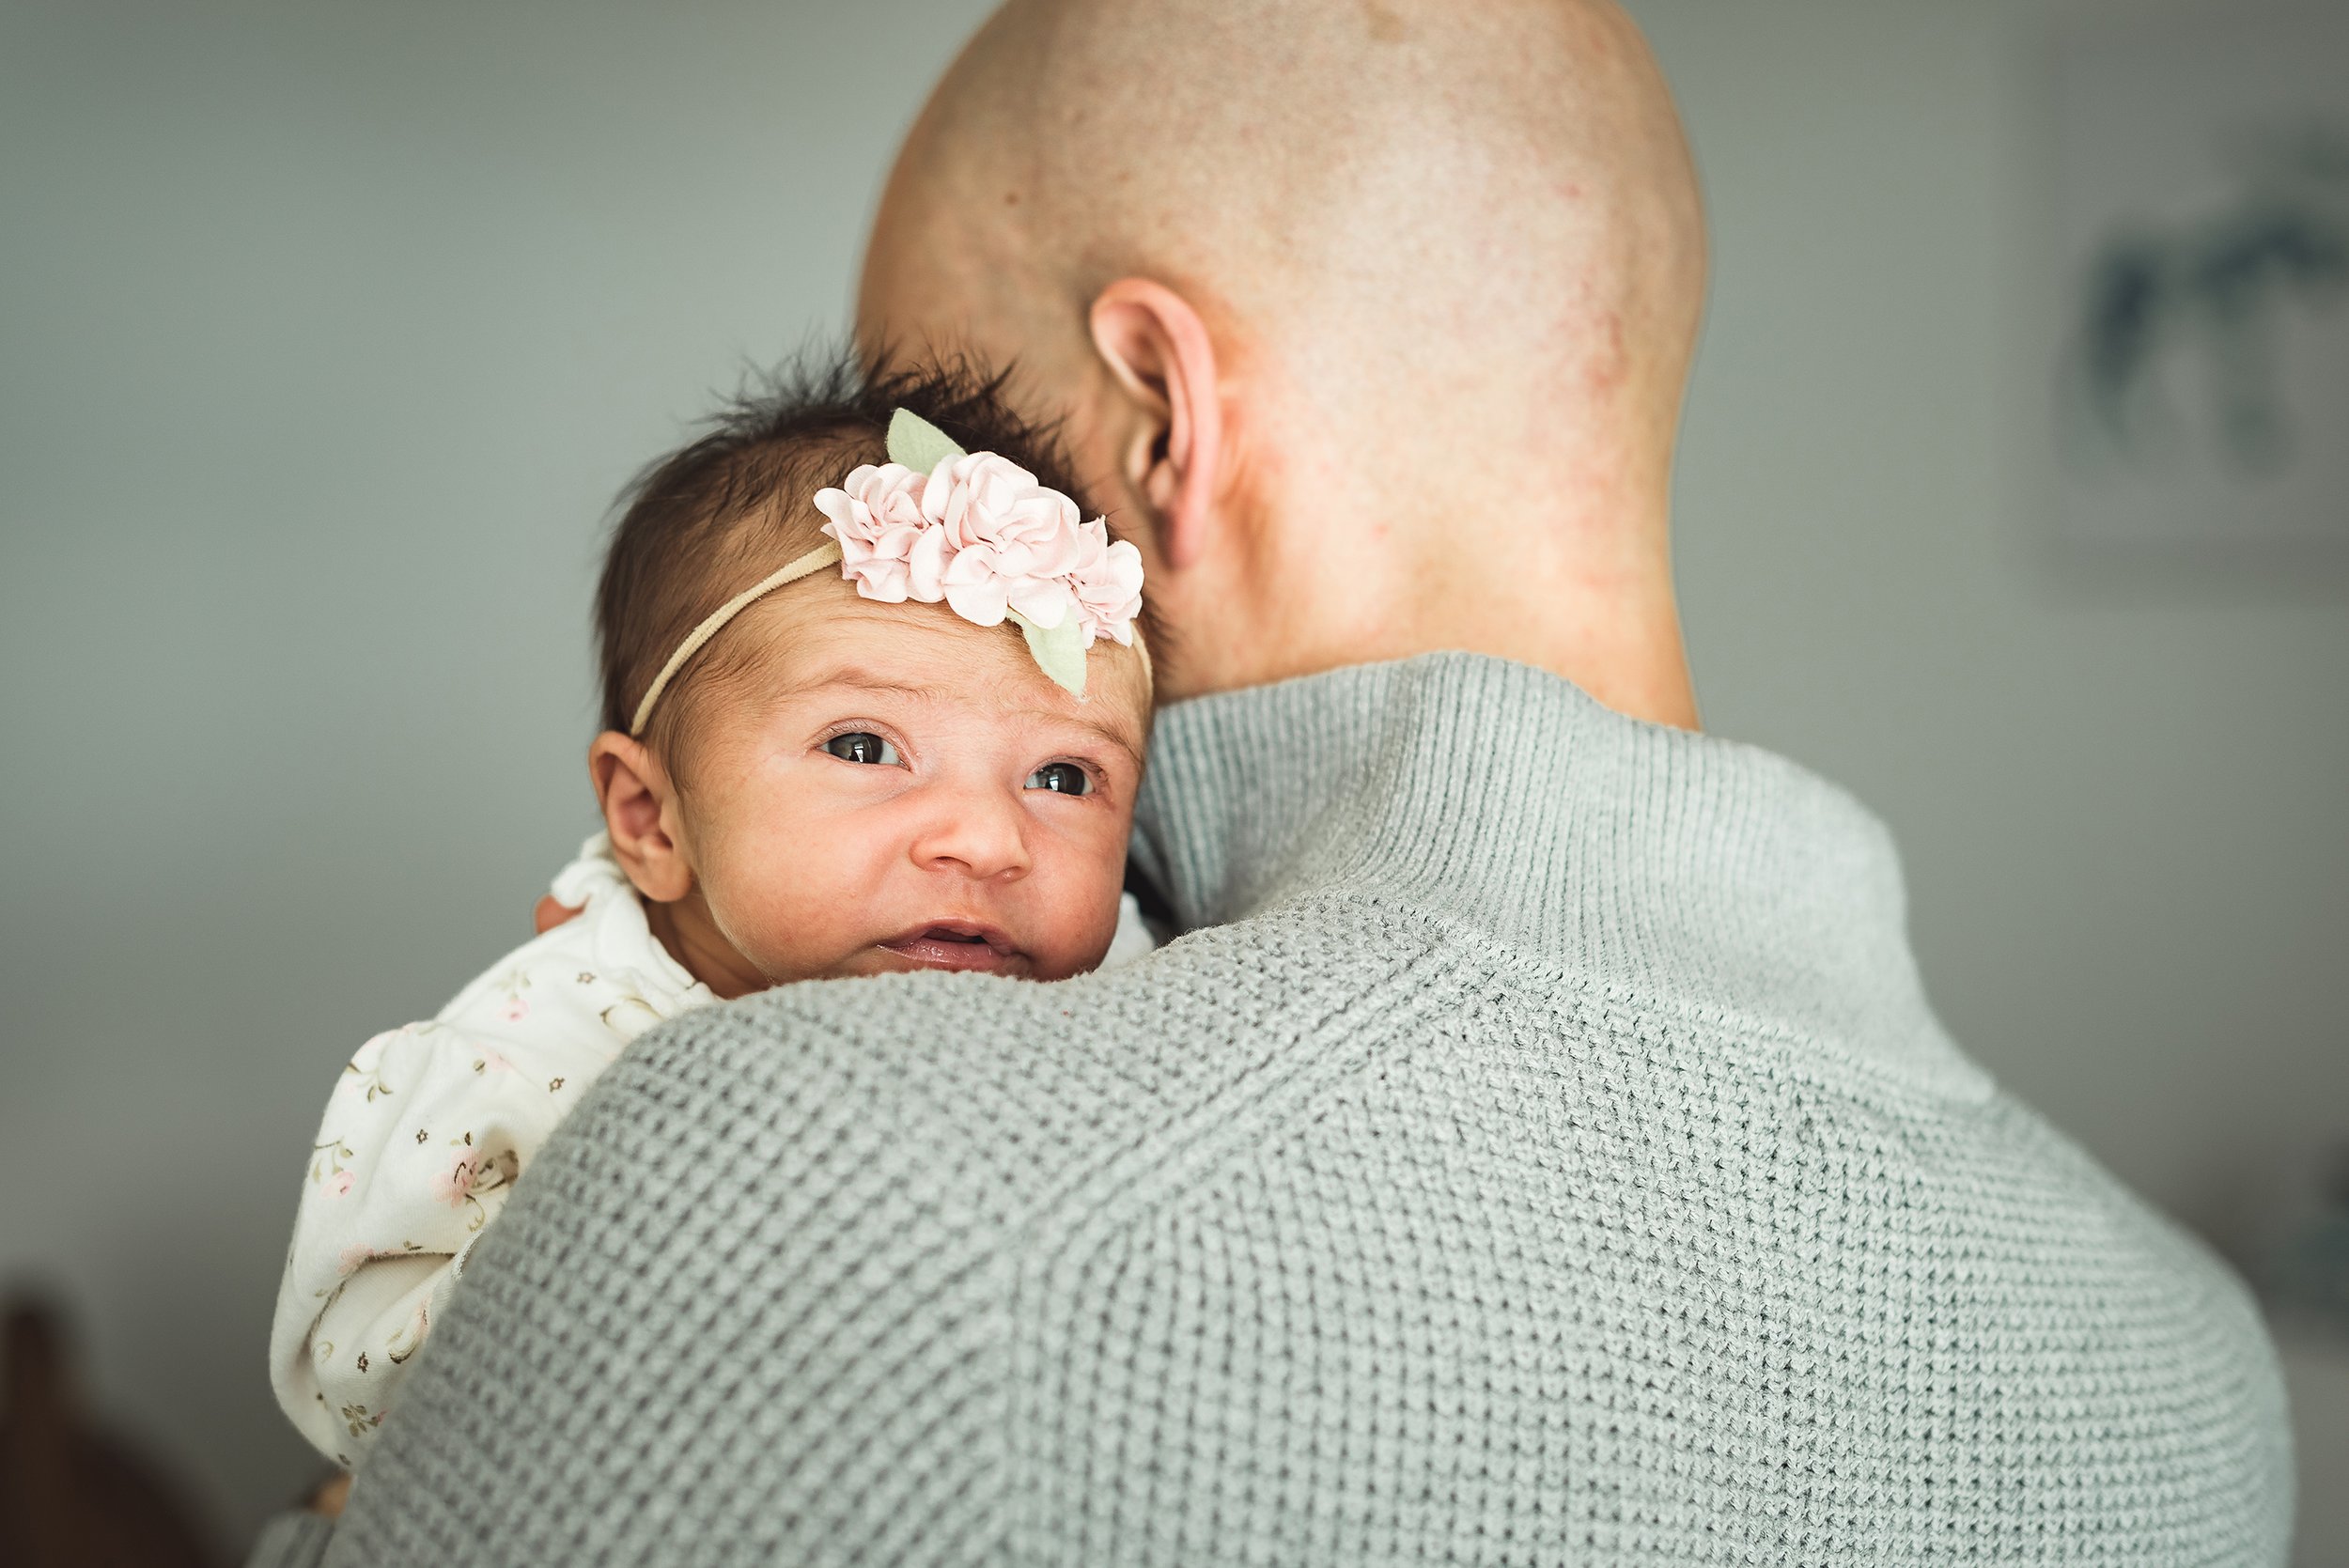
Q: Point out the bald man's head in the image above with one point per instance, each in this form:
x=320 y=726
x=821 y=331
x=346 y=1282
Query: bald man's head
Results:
x=1433 y=249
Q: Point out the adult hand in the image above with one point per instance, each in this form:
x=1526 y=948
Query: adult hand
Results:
x=332 y=1494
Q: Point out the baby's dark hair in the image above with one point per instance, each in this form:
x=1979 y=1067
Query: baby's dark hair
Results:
x=735 y=504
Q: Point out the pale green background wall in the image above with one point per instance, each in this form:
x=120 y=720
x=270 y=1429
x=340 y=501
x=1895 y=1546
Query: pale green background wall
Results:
x=326 y=332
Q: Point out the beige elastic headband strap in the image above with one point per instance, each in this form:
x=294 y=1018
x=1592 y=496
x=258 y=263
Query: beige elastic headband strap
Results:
x=813 y=561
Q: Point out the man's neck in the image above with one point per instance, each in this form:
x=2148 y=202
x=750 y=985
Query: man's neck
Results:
x=1619 y=640
x=1566 y=568
x=1625 y=649
x=1575 y=580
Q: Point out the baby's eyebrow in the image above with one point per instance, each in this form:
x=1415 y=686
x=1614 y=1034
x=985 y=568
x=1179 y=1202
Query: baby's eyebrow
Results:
x=860 y=680
x=865 y=680
x=1111 y=733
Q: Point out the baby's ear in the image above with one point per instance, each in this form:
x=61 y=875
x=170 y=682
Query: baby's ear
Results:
x=642 y=815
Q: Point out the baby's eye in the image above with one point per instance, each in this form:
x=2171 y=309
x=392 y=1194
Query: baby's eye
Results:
x=863 y=746
x=1065 y=778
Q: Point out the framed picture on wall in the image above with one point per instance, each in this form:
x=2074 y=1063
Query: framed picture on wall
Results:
x=2203 y=245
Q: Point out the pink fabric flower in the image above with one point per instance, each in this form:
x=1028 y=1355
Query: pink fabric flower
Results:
x=352 y=1256
x=340 y=1184
x=876 y=516
x=980 y=534
x=1108 y=584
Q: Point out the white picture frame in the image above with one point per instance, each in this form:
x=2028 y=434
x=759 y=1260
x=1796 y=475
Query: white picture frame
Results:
x=2201 y=233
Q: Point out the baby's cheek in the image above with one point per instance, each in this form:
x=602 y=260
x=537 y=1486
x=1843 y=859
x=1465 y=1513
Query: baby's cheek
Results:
x=1082 y=911
x=763 y=929
x=788 y=912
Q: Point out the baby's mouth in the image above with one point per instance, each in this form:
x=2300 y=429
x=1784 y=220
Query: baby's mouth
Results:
x=956 y=944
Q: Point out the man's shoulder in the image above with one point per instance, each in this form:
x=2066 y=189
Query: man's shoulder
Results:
x=954 y=1061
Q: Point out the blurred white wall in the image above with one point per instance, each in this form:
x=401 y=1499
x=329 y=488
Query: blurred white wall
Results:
x=327 y=332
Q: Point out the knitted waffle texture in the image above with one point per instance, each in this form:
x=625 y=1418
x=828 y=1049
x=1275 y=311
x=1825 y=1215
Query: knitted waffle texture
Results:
x=1539 y=1151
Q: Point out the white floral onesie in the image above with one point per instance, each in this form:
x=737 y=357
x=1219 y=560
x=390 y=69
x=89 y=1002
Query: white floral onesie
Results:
x=428 y=1130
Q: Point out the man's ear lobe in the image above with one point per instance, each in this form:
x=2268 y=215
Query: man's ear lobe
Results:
x=641 y=812
x=1170 y=451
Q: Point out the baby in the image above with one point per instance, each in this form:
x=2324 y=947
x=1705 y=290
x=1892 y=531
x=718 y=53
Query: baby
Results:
x=871 y=705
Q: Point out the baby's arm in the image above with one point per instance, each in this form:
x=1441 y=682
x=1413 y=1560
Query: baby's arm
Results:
x=426 y=1131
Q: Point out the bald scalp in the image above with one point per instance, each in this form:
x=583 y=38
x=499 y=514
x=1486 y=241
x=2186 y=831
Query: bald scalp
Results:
x=1437 y=275
x=1402 y=199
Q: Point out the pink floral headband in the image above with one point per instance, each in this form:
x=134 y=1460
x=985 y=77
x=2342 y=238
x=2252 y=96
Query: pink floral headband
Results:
x=974 y=530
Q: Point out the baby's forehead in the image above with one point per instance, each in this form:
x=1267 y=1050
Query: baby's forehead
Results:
x=834 y=639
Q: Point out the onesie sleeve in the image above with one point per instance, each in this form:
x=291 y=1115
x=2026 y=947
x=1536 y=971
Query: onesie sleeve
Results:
x=427 y=1129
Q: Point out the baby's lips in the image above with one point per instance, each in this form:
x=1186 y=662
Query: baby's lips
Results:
x=958 y=945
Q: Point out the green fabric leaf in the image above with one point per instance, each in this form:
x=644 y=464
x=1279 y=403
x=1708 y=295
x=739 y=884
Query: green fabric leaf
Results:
x=1060 y=652
x=918 y=443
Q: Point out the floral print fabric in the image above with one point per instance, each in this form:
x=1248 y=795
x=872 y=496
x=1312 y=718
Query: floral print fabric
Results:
x=425 y=1134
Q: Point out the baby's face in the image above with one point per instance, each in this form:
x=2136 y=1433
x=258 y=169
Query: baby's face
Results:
x=890 y=787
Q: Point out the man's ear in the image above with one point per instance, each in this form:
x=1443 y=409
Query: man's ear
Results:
x=1170 y=451
x=641 y=813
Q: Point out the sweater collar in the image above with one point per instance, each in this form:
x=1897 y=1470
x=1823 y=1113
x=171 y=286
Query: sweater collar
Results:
x=1679 y=868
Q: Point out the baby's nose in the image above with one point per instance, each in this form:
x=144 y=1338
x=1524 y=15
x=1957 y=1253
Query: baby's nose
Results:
x=978 y=835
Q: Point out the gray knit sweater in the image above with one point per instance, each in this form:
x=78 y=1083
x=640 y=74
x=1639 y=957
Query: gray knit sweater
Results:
x=1540 y=1152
